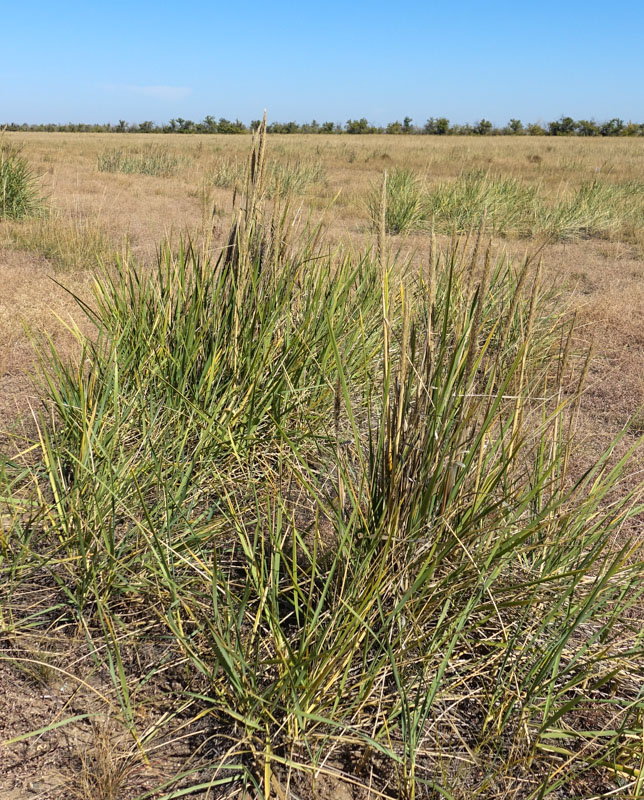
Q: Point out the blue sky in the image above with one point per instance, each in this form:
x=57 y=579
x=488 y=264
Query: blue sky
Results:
x=91 y=62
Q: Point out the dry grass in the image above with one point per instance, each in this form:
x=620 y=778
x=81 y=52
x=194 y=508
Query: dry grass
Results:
x=68 y=243
x=146 y=208
x=123 y=658
x=95 y=213
x=156 y=161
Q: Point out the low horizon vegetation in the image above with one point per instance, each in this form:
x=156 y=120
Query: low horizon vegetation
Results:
x=333 y=488
x=434 y=126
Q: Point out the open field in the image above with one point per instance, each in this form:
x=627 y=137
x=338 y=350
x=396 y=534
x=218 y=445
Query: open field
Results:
x=344 y=512
x=102 y=212
x=145 y=207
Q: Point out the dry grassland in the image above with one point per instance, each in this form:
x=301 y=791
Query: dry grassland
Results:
x=94 y=214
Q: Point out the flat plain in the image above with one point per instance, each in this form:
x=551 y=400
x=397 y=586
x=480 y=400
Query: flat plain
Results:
x=600 y=271
x=142 y=696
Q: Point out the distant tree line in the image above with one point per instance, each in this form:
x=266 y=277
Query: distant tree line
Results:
x=439 y=126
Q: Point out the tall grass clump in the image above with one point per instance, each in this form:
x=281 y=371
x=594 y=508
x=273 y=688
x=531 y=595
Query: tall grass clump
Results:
x=596 y=208
x=507 y=203
x=18 y=183
x=337 y=490
x=154 y=161
x=405 y=202
x=513 y=207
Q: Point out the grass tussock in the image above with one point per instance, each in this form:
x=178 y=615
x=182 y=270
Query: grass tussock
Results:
x=405 y=206
x=155 y=161
x=18 y=184
x=596 y=208
x=337 y=491
x=282 y=178
x=507 y=203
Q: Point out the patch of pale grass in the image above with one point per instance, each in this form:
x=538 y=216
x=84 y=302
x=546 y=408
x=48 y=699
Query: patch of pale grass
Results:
x=295 y=177
x=68 y=243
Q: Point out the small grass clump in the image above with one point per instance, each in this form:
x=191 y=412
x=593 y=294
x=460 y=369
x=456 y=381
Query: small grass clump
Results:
x=18 y=184
x=282 y=178
x=155 y=161
x=507 y=203
x=227 y=174
x=405 y=202
x=336 y=491
x=295 y=177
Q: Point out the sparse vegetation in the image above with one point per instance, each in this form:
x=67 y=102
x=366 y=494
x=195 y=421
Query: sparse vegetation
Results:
x=227 y=174
x=284 y=178
x=68 y=243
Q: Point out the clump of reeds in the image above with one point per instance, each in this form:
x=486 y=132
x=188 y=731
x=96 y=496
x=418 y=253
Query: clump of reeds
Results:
x=282 y=178
x=340 y=499
x=405 y=202
x=18 y=183
x=150 y=160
